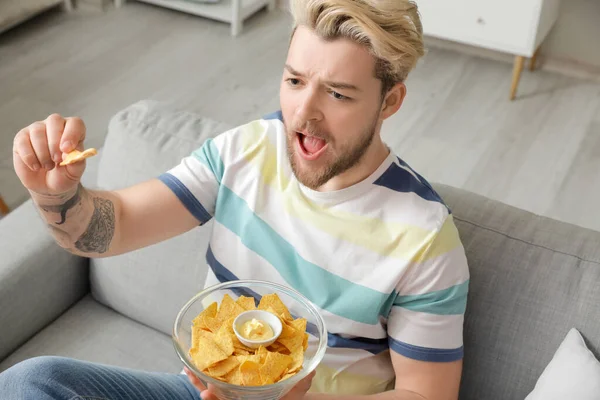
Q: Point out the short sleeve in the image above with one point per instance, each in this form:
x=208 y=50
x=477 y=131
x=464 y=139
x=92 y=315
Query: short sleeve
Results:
x=196 y=180
x=426 y=320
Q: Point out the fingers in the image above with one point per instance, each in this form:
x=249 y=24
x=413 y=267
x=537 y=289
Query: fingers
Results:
x=305 y=384
x=204 y=393
x=55 y=125
x=39 y=142
x=73 y=134
x=41 y=145
x=208 y=395
x=22 y=146
x=194 y=379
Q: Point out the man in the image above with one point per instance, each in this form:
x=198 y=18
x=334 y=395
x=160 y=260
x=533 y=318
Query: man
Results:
x=310 y=197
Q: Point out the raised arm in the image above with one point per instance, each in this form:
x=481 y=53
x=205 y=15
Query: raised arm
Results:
x=88 y=222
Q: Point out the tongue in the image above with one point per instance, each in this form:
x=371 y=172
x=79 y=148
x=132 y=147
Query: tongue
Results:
x=312 y=144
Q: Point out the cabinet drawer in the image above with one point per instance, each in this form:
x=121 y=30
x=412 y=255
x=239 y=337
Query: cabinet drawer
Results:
x=503 y=25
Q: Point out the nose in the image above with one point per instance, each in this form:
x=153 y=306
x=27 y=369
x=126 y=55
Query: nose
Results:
x=308 y=108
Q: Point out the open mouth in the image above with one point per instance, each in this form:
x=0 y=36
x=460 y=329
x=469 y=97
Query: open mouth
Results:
x=310 y=147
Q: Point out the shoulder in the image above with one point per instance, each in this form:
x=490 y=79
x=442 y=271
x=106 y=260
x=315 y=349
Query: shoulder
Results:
x=410 y=194
x=266 y=126
x=243 y=140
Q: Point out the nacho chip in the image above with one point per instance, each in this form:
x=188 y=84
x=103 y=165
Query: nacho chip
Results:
x=223 y=367
x=292 y=342
x=299 y=324
x=199 y=322
x=229 y=326
x=275 y=365
x=228 y=309
x=286 y=376
x=266 y=380
x=241 y=352
x=273 y=301
x=217 y=351
x=198 y=335
x=262 y=352
x=288 y=330
x=239 y=346
x=278 y=348
x=211 y=323
x=207 y=354
x=252 y=357
x=76 y=156
x=234 y=377
x=224 y=340
x=250 y=372
x=247 y=303
x=210 y=311
x=297 y=360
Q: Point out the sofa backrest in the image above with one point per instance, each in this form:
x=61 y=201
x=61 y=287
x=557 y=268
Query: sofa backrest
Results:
x=532 y=279
x=151 y=285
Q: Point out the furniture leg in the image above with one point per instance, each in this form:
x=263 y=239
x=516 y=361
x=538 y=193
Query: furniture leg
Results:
x=236 y=20
x=533 y=60
x=517 y=69
x=3 y=207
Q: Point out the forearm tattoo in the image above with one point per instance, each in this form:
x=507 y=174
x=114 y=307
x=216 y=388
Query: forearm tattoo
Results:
x=62 y=237
x=66 y=206
x=101 y=229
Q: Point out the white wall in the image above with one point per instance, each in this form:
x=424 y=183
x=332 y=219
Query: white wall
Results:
x=575 y=39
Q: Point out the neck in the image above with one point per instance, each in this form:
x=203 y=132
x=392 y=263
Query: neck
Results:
x=369 y=162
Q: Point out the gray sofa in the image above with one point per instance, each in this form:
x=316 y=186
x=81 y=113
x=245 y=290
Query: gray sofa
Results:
x=532 y=278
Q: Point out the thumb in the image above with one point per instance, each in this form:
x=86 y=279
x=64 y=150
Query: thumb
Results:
x=74 y=171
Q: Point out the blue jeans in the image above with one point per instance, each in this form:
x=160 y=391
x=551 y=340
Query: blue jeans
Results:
x=60 y=378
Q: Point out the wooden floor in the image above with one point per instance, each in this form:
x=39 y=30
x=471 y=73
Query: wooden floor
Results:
x=540 y=152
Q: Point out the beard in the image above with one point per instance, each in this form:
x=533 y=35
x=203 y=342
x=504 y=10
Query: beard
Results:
x=338 y=159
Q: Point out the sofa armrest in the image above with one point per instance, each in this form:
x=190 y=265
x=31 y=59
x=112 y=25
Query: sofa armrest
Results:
x=38 y=279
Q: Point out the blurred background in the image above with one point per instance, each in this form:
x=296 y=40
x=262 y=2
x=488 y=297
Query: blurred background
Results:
x=477 y=115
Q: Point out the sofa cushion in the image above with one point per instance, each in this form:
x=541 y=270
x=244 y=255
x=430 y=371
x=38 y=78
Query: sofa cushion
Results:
x=532 y=280
x=89 y=331
x=150 y=285
x=574 y=372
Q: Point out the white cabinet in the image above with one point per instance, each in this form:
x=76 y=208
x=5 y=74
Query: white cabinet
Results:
x=233 y=12
x=512 y=26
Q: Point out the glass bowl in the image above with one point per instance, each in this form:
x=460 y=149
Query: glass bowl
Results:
x=298 y=305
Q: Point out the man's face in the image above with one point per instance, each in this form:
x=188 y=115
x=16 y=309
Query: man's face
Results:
x=331 y=102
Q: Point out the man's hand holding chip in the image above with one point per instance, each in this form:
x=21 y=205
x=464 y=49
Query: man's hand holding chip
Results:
x=296 y=393
x=39 y=149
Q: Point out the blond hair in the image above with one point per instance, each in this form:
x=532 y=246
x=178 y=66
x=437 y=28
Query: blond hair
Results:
x=390 y=29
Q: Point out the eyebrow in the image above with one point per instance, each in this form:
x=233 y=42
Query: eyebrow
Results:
x=335 y=85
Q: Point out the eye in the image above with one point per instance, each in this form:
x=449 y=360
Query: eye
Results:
x=339 y=96
x=293 y=81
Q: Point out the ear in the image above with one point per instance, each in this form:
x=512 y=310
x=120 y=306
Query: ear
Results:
x=393 y=100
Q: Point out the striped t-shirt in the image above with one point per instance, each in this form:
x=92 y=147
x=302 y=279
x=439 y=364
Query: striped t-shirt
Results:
x=381 y=260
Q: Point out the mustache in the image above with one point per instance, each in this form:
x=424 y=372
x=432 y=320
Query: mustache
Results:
x=311 y=130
